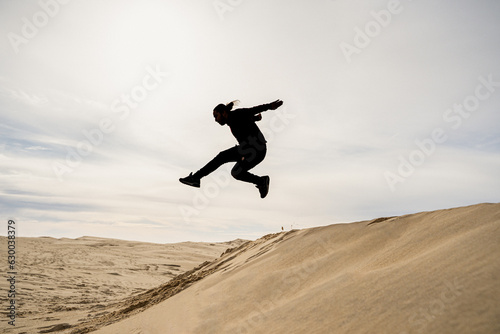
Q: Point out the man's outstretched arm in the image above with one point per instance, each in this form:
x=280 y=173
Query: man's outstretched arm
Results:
x=263 y=107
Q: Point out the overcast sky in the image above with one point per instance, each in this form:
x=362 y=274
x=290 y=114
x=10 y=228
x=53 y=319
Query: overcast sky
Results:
x=390 y=107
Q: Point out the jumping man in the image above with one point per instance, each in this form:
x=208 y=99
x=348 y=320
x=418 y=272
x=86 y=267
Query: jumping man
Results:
x=249 y=152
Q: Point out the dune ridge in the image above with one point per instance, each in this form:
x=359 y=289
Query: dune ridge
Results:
x=430 y=272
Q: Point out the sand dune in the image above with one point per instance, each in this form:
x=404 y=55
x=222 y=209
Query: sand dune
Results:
x=62 y=282
x=431 y=272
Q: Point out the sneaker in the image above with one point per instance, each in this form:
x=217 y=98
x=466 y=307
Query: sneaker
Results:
x=190 y=180
x=264 y=186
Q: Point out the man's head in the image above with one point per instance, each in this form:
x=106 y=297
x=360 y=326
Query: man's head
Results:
x=220 y=114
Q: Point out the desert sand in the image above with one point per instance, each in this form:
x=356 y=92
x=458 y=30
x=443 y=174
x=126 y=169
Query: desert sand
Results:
x=429 y=272
x=63 y=282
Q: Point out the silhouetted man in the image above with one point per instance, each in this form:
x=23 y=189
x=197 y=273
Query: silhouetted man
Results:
x=249 y=152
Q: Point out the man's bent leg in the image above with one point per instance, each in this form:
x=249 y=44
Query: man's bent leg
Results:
x=240 y=170
x=239 y=174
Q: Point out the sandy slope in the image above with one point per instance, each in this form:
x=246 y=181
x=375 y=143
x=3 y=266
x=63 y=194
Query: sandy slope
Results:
x=431 y=272
x=62 y=282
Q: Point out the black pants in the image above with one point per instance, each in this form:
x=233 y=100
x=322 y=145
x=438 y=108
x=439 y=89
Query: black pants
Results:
x=246 y=158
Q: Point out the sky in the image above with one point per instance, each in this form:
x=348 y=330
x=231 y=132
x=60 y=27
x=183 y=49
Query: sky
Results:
x=390 y=108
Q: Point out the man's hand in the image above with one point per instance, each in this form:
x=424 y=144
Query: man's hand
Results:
x=275 y=105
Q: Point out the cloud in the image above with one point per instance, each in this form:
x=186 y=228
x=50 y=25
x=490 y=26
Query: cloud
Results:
x=345 y=124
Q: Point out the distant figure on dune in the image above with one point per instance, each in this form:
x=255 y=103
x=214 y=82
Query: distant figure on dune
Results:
x=249 y=152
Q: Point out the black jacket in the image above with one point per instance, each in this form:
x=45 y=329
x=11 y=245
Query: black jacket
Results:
x=242 y=124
